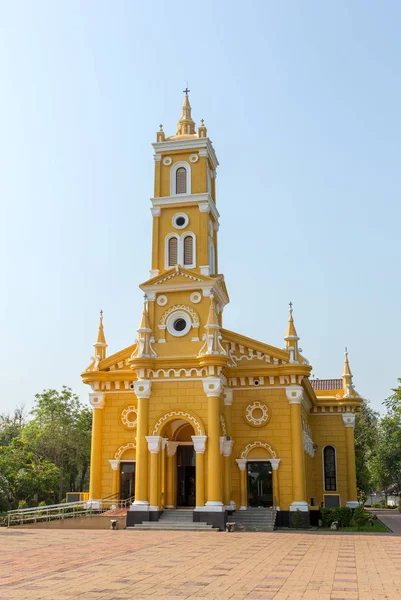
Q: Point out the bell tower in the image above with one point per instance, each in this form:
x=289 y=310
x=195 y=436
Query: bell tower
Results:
x=184 y=283
x=185 y=217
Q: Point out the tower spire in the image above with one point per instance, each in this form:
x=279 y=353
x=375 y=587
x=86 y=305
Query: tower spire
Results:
x=144 y=342
x=347 y=375
x=100 y=344
x=186 y=125
x=291 y=337
x=213 y=336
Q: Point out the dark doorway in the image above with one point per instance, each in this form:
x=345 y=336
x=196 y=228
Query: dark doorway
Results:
x=127 y=480
x=185 y=476
x=260 y=484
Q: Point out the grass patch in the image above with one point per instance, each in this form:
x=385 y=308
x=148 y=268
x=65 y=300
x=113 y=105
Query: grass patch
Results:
x=376 y=527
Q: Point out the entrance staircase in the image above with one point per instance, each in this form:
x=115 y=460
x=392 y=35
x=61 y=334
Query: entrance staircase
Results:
x=174 y=520
x=254 y=519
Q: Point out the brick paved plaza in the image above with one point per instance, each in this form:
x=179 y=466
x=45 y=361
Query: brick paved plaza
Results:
x=117 y=565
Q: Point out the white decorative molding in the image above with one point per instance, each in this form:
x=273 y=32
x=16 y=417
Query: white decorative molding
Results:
x=181 y=143
x=114 y=464
x=178 y=273
x=199 y=443
x=187 y=199
x=162 y=300
x=193 y=158
x=275 y=462
x=241 y=462
x=302 y=506
x=212 y=386
x=195 y=297
x=96 y=400
x=176 y=216
x=170 y=373
x=180 y=307
x=294 y=394
x=204 y=207
x=154 y=273
x=349 y=420
x=154 y=443
x=156 y=211
x=173 y=317
x=125 y=420
x=122 y=449
x=179 y=414
x=228 y=397
x=258 y=444
x=143 y=388
x=167 y=160
x=257 y=421
x=227 y=447
x=171 y=448
x=205 y=270
x=157 y=157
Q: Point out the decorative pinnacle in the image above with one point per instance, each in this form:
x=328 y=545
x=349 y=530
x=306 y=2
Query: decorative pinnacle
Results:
x=202 y=122
x=186 y=91
x=161 y=127
x=101 y=314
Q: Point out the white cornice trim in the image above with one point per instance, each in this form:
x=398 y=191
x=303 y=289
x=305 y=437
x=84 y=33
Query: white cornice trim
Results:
x=206 y=286
x=188 y=144
x=187 y=199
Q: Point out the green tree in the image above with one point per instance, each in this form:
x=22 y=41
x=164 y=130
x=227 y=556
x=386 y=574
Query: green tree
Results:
x=60 y=431
x=366 y=446
x=11 y=425
x=393 y=402
x=387 y=462
x=24 y=475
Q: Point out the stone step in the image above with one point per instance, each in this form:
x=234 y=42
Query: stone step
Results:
x=173 y=527
x=153 y=524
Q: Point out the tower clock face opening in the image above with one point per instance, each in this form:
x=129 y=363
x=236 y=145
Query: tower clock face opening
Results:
x=179 y=324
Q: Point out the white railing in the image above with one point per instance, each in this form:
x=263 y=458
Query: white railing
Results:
x=66 y=510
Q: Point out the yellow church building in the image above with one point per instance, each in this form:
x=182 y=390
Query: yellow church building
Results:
x=194 y=415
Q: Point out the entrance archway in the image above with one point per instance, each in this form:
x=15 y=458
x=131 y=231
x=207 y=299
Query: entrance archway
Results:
x=260 y=484
x=180 y=482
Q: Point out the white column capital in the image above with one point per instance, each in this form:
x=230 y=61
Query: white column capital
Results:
x=227 y=447
x=228 y=397
x=143 y=388
x=241 y=462
x=349 y=419
x=294 y=394
x=171 y=448
x=199 y=443
x=114 y=464
x=156 y=210
x=212 y=386
x=275 y=463
x=222 y=440
x=154 y=443
x=96 y=400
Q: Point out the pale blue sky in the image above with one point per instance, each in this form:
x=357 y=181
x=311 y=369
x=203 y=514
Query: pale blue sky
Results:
x=302 y=101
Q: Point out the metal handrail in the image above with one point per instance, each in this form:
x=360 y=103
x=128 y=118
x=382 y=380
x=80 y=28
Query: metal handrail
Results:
x=64 y=510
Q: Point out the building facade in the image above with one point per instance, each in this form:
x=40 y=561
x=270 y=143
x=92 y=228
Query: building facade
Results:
x=194 y=415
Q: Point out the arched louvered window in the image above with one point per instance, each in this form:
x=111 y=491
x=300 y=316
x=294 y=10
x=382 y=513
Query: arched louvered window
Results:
x=188 y=250
x=181 y=181
x=329 y=467
x=172 y=252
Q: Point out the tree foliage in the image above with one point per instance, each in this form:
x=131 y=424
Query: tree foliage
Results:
x=48 y=453
x=366 y=445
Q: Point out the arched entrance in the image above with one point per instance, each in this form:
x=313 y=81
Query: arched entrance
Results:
x=260 y=483
x=181 y=464
x=259 y=476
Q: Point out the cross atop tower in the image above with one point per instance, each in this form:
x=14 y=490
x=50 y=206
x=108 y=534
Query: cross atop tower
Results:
x=186 y=91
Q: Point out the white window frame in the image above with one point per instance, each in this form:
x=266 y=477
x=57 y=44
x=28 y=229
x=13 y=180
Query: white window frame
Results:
x=180 y=249
x=179 y=314
x=173 y=177
x=335 y=492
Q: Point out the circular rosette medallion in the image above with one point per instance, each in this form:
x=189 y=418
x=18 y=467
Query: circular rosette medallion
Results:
x=257 y=414
x=129 y=417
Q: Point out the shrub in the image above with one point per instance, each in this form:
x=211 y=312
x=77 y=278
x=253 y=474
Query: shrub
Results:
x=43 y=503
x=342 y=514
x=22 y=504
x=297 y=518
x=360 y=517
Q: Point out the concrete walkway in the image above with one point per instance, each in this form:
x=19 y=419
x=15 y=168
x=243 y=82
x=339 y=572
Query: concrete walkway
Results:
x=390 y=518
x=167 y=565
